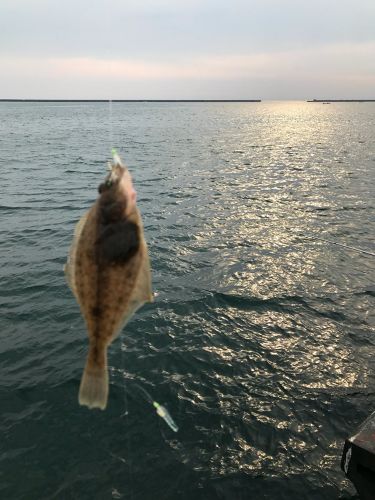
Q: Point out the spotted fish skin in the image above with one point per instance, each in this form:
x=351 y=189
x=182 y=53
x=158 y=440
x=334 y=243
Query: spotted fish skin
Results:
x=108 y=271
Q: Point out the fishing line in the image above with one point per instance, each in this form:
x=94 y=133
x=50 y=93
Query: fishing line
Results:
x=146 y=393
x=126 y=403
x=344 y=246
x=110 y=128
x=126 y=415
x=161 y=410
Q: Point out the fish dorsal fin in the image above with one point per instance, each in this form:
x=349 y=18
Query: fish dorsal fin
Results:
x=69 y=267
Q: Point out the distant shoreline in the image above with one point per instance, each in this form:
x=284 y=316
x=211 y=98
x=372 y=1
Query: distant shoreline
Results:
x=130 y=100
x=341 y=100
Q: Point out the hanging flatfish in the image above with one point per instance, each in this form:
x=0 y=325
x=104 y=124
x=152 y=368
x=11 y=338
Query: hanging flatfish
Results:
x=108 y=271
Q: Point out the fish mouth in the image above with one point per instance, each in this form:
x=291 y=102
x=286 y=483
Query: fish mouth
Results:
x=120 y=178
x=116 y=167
x=116 y=160
x=117 y=170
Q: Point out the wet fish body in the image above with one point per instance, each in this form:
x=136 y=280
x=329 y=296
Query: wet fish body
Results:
x=108 y=271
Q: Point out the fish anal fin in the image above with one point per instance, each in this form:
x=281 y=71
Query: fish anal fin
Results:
x=141 y=294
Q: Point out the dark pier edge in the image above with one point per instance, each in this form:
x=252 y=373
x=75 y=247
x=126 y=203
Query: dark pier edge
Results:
x=130 y=100
x=358 y=458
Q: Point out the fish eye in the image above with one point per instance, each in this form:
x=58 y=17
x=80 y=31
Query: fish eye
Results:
x=104 y=185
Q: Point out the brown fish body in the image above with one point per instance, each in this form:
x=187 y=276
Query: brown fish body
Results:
x=109 y=273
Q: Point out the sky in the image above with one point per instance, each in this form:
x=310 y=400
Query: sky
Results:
x=192 y=49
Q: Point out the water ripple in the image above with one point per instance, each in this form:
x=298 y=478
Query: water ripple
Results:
x=260 y=340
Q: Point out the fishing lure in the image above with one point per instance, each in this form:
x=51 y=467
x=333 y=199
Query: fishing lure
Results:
x=160 y=409
x=164 y=414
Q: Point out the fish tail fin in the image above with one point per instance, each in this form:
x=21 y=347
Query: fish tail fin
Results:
x=93 y=391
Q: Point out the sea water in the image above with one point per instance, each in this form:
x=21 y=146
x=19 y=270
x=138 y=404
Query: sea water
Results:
x=261 y=338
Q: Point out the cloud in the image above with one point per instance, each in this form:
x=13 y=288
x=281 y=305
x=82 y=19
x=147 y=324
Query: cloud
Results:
x=160 y=28
x=318 y=62
x=314 y=67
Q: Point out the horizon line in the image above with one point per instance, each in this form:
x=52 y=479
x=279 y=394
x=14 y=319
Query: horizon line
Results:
x=130 y=100
x=183 y=100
